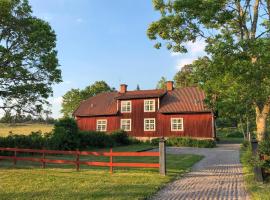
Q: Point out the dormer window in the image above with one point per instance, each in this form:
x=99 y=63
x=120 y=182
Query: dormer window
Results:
x=149 y=105
x=125 y=106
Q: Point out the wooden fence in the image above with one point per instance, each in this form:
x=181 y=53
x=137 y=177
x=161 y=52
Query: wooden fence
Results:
x=77 y=162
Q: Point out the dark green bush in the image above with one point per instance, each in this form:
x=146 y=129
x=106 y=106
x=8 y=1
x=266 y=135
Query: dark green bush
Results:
x=65 y=135
x=120 y=137
x=235 y=134
x=33 y=141
x=90 y=139
x=155 y=142
x=190 y=142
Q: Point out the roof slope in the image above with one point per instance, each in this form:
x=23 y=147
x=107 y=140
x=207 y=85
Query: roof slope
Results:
x=188 y=99
x=102 y=104
x=183 y=100
x=140 y=94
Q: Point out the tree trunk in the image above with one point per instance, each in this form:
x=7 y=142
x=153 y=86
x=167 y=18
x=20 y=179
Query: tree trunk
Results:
x=261 y=119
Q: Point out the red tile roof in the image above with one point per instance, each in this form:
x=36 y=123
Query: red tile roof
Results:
x=188 y=99
x=184 y=100
x=102 y=104
x=141 y=94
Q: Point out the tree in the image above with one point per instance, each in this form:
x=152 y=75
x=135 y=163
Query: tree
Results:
x=238 y=45
x=185 y=77
x=162 y=83
x=72 y=98
x=28 y=59
x=138 y=87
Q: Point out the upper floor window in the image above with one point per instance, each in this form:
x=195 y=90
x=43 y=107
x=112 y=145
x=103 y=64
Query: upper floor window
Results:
x=177 y=124
x=126 y=124
x=125 y=106
x=149 y=124
x=149 y=105
x=101 y=125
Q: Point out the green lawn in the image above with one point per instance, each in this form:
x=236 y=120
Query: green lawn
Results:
x=223 y=138
x=28 y=181
x=257 y=191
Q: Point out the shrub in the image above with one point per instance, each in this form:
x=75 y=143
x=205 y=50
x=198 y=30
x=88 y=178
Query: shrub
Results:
x=155 y=142
x=235 y=134
x=90 y=139
x=190 y=142
x=120 y=137
x=65 y=135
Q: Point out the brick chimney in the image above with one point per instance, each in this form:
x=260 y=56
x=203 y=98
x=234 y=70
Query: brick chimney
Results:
x=123 y=88
x=169 y=85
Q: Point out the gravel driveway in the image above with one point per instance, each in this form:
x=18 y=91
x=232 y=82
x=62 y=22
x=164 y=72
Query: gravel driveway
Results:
x=217 y=176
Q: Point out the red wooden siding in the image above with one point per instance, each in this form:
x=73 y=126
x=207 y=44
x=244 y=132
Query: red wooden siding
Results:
x=137 y=116
x=197 y=125
x=89 y=123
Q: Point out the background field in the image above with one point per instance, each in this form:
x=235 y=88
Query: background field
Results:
x=25 y=129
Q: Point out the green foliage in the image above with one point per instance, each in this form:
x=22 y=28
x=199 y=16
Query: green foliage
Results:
x=264 y=147
x=186 y=142
x=120 y=137
x=189 y=142
x=161 y=83
x=236 y=73
x=185 y=77
x=65 y=135
x=235 y=134
x=90 y=139
x=28 y=58
x=33 y=141
x=72 y=98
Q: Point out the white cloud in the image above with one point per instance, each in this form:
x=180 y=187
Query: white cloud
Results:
x=46 y=16
x=195 y=50
x=184 y=61
x=56 y=100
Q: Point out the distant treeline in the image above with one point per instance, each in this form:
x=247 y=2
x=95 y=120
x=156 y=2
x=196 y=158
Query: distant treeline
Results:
x=9 y=118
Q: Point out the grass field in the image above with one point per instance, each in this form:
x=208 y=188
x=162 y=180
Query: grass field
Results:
x=25 y=129
x=223 y=138
x=28 y=181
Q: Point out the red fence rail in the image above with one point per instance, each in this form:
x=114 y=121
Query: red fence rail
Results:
x=77 y=162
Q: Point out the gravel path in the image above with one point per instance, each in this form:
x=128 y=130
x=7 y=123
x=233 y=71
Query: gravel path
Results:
x=217 y=176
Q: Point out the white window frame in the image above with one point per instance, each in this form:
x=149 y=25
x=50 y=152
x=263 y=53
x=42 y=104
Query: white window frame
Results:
x=144 y=124
x=124 y=111
x=97 y=124
x=122 y=123
x=154 y=105
x=172 y=122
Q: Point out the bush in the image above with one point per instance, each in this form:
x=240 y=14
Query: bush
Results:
x=120 y=137
x=90 y=139
x=235 y=134
x=155 y=142
x=33 y=141
x=190 y=142
x=65 y=135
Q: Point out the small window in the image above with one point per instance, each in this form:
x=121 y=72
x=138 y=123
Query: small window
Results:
x=102 y=125
x=150 y=124
x=125 y=106
x=149 y=105
x=126 y=124
x=177 y=124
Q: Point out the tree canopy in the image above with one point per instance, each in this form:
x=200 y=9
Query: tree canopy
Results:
x=237 y=36
x=73 y=97
x=28 y=58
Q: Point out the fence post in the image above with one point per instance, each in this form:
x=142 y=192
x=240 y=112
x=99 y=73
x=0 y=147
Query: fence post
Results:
x=249 y=137
x=257 y=170
x=162 y=156
x=15 y=158
x=111 y=161
x=43 y=158
x=77 y=160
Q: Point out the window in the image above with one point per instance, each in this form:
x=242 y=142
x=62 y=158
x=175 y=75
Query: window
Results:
x=150 y=124
x=102 y=125
x=177 y=124
x=126 y=124
x=125 y=106
x=149 y=105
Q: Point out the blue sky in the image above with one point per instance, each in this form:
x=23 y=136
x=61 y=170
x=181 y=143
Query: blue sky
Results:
x=106 y=40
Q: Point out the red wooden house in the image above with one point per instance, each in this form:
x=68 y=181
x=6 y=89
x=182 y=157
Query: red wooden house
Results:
x=148 y=113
